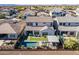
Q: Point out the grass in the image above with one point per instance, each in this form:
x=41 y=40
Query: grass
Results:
x=37 y=39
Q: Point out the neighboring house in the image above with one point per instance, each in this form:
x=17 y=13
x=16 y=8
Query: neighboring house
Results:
x=69 y=25
x=29 y=12
x=39 y=26
x=9 y=13
x=10 y=29
x=42 y=14
x=76 y=11
x=5 y=11
x=57 y=12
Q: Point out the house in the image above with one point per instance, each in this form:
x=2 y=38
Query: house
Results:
x=57 y=12
x=76 y=11
x=41 y=31
x=5 y=11
x=11 y=29
x=69 y=25
x=42 y=13
x=9 y=12
x=29 y=12
x=39 y=25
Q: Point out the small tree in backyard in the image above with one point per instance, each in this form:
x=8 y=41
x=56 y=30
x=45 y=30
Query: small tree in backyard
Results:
x=71 y=43
x=55 y=26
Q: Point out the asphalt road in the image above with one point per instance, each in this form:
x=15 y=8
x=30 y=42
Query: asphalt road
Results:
x=39 y=52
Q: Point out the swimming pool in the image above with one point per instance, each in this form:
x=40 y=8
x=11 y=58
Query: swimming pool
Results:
x=30 y=44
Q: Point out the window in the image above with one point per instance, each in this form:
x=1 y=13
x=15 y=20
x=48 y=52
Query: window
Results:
x=63 y=24
x=45 y=33
x=69 y=24
x=3 y=35
x=12 y=35
x=60 y=23
x=36 y=24
x=71 y=33
x=66 y=24
x=64 y=32
x=44 y=23
x=54 y=44
x=36 y=32
x=51 y=24
x=29 y=24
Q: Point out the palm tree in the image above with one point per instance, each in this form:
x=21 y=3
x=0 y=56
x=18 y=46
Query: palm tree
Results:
x=55 y=26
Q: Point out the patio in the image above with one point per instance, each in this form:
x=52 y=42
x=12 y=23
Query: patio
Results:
x=53 y=42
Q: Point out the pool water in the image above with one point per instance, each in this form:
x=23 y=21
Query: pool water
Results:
x=30 y=44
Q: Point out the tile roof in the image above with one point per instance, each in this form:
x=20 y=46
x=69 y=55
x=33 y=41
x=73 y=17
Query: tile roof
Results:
x=68 y=28
x=6 y=28
x=68 y=19
x=39 y=19
x=12 y=26
x=31 y=28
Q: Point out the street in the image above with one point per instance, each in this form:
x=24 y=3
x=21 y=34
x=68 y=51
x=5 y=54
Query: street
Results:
x=39 y=52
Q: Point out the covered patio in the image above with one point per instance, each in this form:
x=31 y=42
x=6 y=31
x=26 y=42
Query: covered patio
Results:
x=3 y=36
x=40 y=31
x=69 y=31
x=53 y=41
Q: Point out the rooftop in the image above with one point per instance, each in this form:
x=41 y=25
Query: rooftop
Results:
x=39 y=19
x=68 y=28
x=68 y=19
x=6 y=28
x=10 y=26
x=30 y=28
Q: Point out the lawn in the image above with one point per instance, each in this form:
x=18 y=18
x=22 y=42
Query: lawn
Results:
x=37 y=39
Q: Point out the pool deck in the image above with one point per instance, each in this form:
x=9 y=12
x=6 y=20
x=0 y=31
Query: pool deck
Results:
x=39 y=52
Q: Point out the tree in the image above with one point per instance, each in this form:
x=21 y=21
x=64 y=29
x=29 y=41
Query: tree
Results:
x=19 y=8
x=70 y=7
x=55 y=25
x=71 y=43
x=2 y=16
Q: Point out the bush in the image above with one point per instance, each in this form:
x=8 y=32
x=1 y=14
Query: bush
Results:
x=19 y=8
x=71 y=43
x=2 y=16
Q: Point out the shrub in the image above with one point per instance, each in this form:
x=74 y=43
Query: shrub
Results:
x=71 y=43
x=2 y=16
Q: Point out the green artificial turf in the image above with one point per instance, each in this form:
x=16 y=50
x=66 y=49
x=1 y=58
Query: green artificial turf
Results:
x=37 y=39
